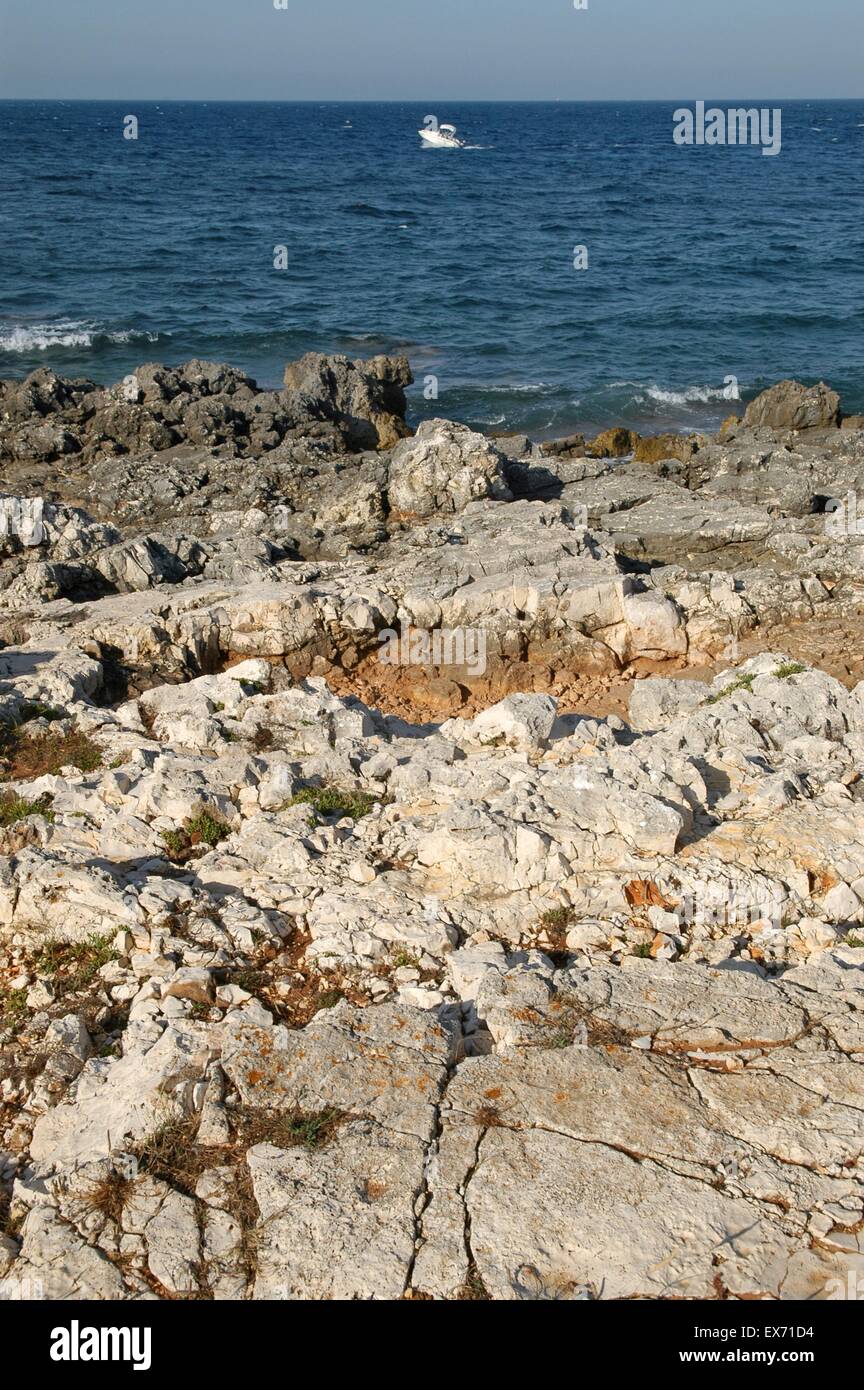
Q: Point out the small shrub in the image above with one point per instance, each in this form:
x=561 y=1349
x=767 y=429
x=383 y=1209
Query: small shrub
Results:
x=331 y=801
x=24 y=759
x=206 y=829
x=558 y=919
x=789 y=668
x=72 y=966
x=203 y=829
x=550 y=934
x=17 y=808
x=33 y=709
x=175 y=842
x=405 y=960
x=328 y=1000
x=13 y=1009
x=742 y=683
x=287 y=1129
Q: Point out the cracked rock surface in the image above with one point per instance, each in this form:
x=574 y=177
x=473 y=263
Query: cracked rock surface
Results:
x=327 y=979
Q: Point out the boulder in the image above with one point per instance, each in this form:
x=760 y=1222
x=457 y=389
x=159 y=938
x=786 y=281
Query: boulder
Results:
x=657 y=447
x=443 y=468
x=524 y=721
x=572 y=446
x=613 y=444
x=791 y=406
x=366 y=399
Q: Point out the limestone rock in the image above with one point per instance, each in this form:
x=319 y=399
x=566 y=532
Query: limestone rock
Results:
x=791 y=406
x=442 y=469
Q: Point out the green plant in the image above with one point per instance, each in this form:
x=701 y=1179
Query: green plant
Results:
x=742 y=683
x=406 y=960
x=331 y=801
x=34 y=709
x=328 y=1000
x=643 y=951
x=17 y=808
x=783 y=673
x=286 y=1129
x=13 y=1009
x=854 y=941
x=202 y=829
x=558 y=918
x=175 y=842
x=73 y=965
x=206 y=828
x=27 y=758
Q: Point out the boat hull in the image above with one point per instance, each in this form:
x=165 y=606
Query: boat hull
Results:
x=434 y=140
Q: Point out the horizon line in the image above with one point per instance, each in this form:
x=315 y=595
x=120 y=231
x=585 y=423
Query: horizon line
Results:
x=411 y=101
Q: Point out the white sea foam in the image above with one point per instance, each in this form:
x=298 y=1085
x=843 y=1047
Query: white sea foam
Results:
x=42 y=337
x=702 y=394
x=535 y=388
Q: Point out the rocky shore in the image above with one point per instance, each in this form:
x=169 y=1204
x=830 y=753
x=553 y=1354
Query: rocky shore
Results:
x=527 y=967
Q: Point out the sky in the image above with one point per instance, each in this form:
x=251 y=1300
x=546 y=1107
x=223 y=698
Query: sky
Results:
x=413 y=50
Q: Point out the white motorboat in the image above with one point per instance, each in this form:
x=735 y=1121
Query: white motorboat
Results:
x=442 y=137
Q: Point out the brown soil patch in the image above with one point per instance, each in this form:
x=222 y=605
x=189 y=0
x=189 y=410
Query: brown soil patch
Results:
x=420 y=694
x=832 y=644
x=423 y=694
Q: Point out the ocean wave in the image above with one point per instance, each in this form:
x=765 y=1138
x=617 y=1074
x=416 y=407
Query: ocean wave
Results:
x=43 y=337
x=507 y=389
x=696 y=394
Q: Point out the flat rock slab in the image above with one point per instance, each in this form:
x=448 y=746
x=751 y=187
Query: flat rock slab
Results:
x=605 y=1172
x=388 y=1064
x=690 y=1009
x=340 y=1223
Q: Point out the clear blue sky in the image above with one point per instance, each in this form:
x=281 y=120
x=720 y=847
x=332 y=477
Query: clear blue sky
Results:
x=422 y=49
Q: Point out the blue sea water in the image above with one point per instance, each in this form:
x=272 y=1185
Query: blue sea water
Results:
x=703 y=263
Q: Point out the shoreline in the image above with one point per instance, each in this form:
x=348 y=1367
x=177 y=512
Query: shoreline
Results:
x=653 y=501
x=710 y=407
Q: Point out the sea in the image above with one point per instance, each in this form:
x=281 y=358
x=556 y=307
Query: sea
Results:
x=570 y=269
